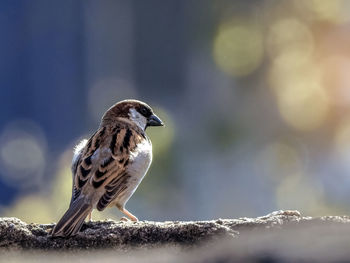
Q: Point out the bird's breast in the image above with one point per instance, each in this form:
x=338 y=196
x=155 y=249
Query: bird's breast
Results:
x=140 y=160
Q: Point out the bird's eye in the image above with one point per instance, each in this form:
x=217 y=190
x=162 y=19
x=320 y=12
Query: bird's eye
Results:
x=143 y=111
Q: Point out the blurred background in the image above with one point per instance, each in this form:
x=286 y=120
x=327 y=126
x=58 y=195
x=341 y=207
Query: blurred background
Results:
x=255 y=96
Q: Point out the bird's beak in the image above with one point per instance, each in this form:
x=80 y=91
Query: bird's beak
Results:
x=154 y=121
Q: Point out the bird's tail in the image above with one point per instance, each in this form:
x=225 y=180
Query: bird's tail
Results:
x=73 y=219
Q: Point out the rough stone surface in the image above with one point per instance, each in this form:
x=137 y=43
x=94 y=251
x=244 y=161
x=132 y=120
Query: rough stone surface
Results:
x=123 y=235
x=282 y=236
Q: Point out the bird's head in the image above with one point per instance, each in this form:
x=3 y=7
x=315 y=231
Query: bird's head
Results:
x=136 y=111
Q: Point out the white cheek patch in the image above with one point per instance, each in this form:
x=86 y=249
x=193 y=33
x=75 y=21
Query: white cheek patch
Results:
x=136 y=117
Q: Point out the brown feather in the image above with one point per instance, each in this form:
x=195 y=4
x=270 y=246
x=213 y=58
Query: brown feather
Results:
x=100 y=172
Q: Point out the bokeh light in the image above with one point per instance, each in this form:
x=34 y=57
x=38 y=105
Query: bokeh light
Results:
x=334 y=11
x=22 y=155
x=290 y=36
x=295 y=78
x=303 y=104
x=238 y=48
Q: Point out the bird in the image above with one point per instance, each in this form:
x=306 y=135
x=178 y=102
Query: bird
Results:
x=109 y=166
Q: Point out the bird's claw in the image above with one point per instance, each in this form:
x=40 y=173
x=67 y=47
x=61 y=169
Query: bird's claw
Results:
x=124 y=219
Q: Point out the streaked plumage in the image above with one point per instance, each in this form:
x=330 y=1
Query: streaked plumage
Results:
x=109 y=166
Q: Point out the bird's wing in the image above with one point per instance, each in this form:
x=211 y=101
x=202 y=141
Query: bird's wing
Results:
x=121 y=145
x=103 y=163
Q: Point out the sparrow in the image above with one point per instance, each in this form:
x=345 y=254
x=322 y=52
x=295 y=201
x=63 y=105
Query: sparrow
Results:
x=108 y=167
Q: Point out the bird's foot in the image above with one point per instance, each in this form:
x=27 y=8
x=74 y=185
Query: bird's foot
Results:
x=124 y=219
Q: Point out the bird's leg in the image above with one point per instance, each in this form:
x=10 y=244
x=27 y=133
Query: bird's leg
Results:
x=129 y=215
x=90 y=216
